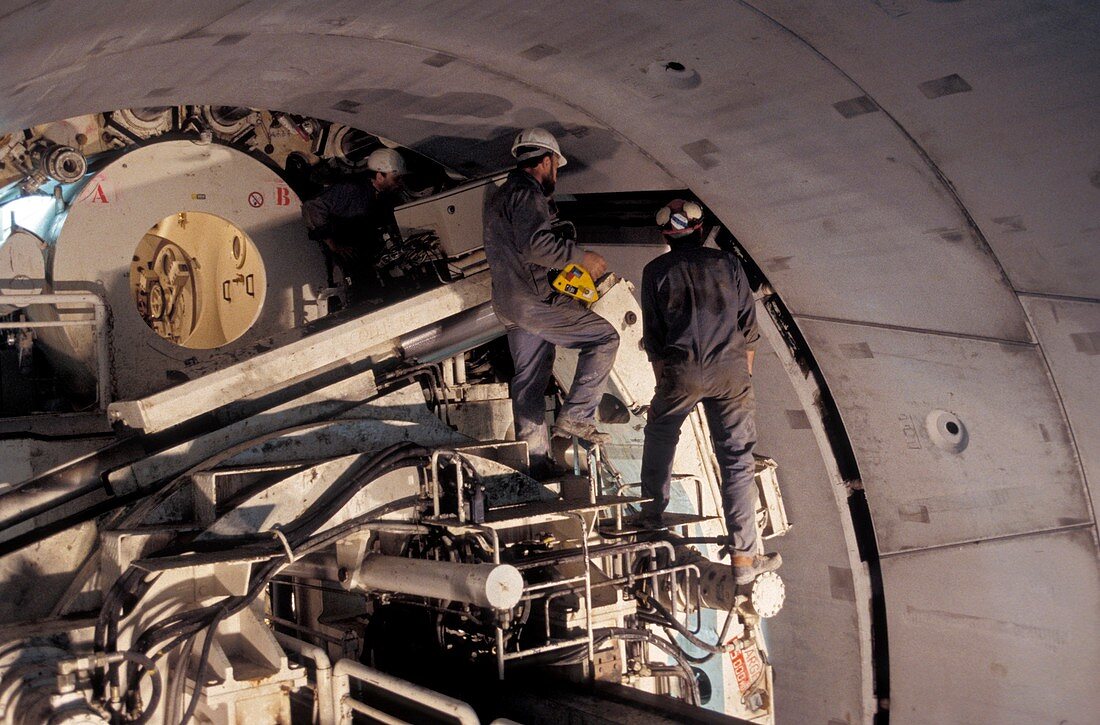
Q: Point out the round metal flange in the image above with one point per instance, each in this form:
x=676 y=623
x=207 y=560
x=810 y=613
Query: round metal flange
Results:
x=227 y=120
x=768 y=594
x=144 y=122
x=351 y=147
x=116 y=209
x=65 y=164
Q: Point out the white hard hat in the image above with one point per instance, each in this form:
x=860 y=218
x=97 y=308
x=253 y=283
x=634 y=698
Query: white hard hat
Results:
x=533 y=142
x=387 y=161
x=678 y=218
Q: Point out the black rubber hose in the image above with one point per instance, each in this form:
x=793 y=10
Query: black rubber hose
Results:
x=177 y=684
x=150 y=667
x=641 y=635
x=396 y=456
x=184 y=625
x=670 y=620
x=204 y=661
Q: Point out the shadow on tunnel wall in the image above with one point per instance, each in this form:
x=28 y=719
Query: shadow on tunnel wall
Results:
x=469 y=132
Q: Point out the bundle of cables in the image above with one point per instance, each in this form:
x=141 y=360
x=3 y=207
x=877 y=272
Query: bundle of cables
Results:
x=579 y=653
x=181 y=630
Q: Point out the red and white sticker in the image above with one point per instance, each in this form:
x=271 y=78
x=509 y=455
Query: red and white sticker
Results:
x=747 y=668
x=255 y=200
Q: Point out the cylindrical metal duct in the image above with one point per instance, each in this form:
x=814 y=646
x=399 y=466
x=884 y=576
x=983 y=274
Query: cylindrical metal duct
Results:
x=497 y=586
x=442 y=339
x=718 y=590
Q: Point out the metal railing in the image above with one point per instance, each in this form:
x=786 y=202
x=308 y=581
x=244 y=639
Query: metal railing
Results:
x=98 y=323
x=403 y=691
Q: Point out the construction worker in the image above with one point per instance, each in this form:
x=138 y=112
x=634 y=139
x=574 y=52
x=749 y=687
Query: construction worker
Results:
x=522 y=247
x=350 y=217
x=699 y=332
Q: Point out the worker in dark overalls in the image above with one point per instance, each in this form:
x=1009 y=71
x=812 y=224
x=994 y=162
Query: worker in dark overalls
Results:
x=351 y=218
x=522 y=246
x=699 y=331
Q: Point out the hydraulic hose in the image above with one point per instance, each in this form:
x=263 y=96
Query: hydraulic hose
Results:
x=670 y=620
x=182 y=627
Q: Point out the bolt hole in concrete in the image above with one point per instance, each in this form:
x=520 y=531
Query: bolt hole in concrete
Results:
x=947 y=431
x=674 y=74
x=197 y=280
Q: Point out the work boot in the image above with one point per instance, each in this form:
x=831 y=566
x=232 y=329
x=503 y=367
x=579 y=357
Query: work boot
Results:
x=747 y=568
x=649 y=517
x=585 y=430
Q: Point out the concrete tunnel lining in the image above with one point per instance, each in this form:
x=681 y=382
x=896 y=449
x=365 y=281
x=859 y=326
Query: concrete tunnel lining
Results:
x=862 y=241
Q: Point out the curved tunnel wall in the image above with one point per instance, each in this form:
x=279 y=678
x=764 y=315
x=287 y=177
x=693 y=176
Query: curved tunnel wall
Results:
x=918 y=181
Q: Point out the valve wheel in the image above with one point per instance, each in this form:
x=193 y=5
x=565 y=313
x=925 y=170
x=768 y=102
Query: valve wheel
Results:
x=156 y=301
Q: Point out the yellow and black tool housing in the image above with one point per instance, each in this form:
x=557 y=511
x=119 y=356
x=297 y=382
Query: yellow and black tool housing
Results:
x=576 y=282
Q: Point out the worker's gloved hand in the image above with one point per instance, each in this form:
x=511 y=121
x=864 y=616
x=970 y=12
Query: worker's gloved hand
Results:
x=595 y=264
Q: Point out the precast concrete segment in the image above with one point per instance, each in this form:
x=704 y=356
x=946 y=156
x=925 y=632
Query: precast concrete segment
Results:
x=1069 y=331
x=1028 y=171
x=1003 y=464
x=1026 y=647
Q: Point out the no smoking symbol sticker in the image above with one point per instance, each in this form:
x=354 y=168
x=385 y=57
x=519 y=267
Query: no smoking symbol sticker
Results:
x=255 y=200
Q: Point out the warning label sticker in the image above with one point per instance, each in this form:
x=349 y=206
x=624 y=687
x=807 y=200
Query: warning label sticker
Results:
x=255 y=200
x=747 y=668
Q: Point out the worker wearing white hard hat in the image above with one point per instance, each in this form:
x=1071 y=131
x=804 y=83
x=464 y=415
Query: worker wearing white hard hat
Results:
x=699 y=331
x=389 y=164
x=352 y=218
x=523 y=245
x=534 y=143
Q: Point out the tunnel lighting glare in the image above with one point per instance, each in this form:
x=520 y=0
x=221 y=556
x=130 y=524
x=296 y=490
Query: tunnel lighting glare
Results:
x=34 y=213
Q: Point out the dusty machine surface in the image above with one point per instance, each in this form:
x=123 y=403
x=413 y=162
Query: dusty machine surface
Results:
x=223 y=500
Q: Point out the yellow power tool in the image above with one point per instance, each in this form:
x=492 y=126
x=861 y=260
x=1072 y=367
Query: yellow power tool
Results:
x=576 y=282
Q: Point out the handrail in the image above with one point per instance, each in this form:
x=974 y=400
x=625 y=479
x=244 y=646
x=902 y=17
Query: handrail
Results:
x=98 y=323
x=326 y=702
x=346 y=669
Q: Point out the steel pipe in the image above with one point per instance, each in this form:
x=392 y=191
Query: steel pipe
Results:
x=496 y=586
x=452 y=335
x=326 y=702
